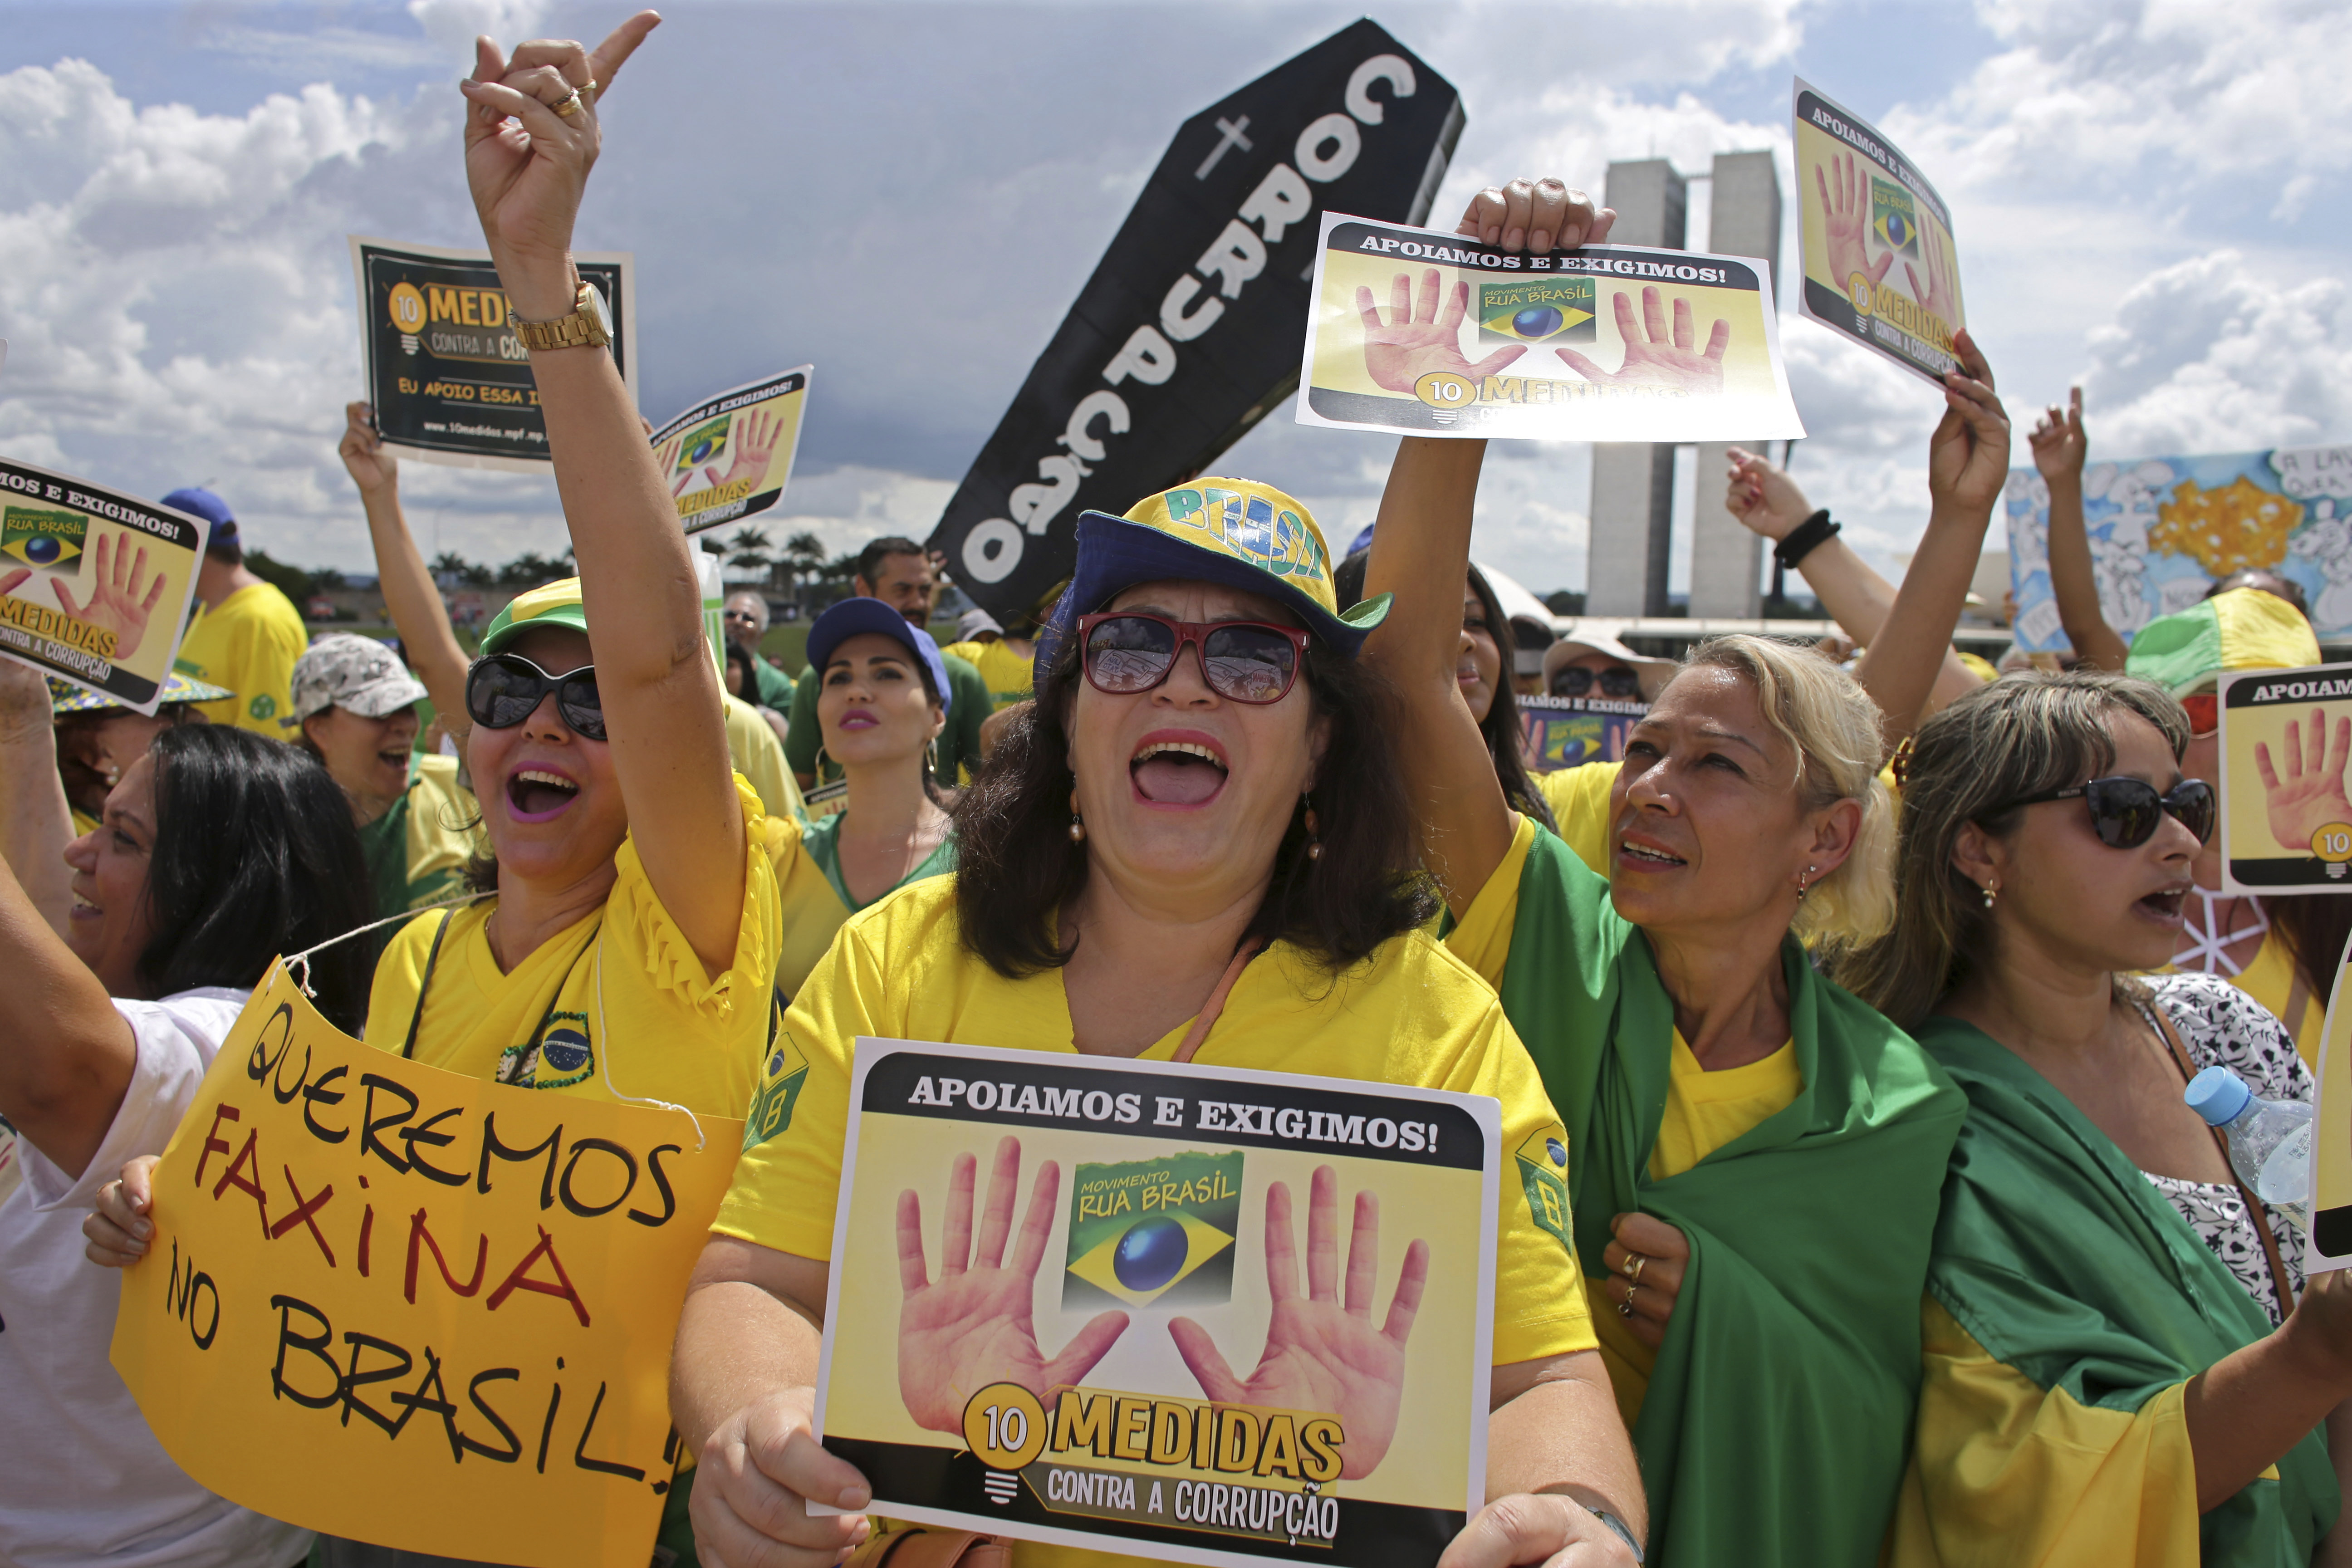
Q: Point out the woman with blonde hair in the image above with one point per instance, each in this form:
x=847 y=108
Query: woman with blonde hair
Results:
x=1756 y=1154
x=2116 y=1369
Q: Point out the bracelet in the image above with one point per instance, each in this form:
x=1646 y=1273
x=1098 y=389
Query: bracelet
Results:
x=1804 y=538
x=1619 y=1527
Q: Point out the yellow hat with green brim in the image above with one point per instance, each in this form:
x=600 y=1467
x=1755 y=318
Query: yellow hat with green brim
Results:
x=555 y=603
x=2246 y=628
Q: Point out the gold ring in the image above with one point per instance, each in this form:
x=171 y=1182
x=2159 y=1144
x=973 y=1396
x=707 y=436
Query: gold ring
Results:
x=1625 y=1306
x=569 y=105
x=589 y=92
x=1635 y=1263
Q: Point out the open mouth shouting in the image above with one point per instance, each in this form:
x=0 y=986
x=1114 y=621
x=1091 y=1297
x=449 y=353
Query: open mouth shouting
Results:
x=1178 y=767
x=2164 y=904
x=538 y=794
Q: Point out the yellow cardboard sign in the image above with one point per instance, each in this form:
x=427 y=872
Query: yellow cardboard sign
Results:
x=2329 y=1244
x=415 y=1308
x=1135 y=1361
x=730 y=456
x=2286 y=742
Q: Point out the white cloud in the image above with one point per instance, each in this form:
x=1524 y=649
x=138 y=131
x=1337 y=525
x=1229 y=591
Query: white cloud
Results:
x=453 y=25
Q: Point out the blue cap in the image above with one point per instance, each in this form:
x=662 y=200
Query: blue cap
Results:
x=1364 y=540
x=853 y=617
x=2218 y=1095
x=197 y=501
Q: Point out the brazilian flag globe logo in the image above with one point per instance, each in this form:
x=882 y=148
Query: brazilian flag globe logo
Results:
x=1536 y=311
x=703 y=444
x=1148 y=1233
x=49 y=542
x=1895 y=218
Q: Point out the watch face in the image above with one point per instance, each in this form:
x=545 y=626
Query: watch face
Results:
x=591 y=305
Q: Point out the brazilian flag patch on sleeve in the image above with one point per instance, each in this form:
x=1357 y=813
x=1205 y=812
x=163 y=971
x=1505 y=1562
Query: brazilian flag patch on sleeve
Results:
x=781 y=1077
x=1543 y=1172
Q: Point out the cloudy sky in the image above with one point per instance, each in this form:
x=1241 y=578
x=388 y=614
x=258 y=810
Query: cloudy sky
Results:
x=2150 y=198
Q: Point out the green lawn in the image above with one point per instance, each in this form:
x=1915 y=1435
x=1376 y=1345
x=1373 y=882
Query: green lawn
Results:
x=787 y=642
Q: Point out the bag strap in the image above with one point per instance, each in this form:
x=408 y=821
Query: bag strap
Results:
x=2255 y=1212
x=1214 y=1007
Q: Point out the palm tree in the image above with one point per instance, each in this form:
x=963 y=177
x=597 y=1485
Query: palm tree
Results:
x=749 y=549
x=803 y=557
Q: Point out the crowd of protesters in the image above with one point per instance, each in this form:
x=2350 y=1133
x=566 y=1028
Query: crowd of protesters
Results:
x=1854 y=1003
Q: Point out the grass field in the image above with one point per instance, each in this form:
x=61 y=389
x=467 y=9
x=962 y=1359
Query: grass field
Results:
x=787 y=643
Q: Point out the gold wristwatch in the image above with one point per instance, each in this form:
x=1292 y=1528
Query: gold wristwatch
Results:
x=588 y=324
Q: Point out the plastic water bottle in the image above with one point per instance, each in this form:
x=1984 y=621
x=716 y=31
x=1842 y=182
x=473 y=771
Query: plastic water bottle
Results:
x=2270 y=1140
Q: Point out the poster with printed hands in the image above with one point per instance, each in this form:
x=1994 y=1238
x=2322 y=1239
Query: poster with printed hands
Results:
x=1435 y=334
x=2285 y=741
x=730 y=456
x=1103 y=1336
x=415 y=1308
x=449 y=380
x=2328 y=1242
x=1881 y=267
x=2165 y=530
x=94 y=584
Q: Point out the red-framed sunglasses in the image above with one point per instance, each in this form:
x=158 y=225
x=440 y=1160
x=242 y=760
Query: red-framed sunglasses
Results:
x=1128 y=651
x=2204 y=711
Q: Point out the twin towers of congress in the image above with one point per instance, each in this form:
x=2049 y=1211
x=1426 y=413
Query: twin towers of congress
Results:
x=1633 y=481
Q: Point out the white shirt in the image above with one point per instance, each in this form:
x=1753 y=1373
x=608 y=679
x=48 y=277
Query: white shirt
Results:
x=82 y=1481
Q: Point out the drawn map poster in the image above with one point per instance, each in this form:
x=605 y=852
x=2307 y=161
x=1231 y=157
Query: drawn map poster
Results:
x=2164 y=529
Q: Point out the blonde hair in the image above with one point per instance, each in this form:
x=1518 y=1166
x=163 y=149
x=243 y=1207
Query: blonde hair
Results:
x=1830 y=721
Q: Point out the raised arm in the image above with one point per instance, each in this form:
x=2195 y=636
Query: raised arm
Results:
x=418 y=613
x=1767 y=501
x=1421 y=554
x=36 y=822
x=2059 y=448
x=637 y=579
x=1967 y=464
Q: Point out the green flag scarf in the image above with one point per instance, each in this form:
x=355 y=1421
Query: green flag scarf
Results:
x=1778 y=1416
x=2065 y=1263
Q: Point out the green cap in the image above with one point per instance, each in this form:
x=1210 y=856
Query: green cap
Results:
x=553 y=603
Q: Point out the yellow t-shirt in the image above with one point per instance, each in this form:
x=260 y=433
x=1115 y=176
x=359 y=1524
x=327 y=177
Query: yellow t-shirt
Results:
x=2002 y=1472
x=1011 y=678
x=247 y=644
x=1579 y=798
x=417 y=851
x=759 y=756
x=84 y=826
x=615 y=1005
x=1409 y=1015
x=2272 y=980
x=815 y=902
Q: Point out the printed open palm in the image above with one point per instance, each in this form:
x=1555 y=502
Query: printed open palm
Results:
x=975 y=1325
x=1415 y=342
x=1846 y=223
x=114 y=600
x=755 y=445
x=1321 y=1354
x=1653 y=357
x=2311 y=795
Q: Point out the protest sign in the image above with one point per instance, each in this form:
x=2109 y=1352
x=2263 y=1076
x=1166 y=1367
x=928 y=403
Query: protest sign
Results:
x=1861 y=207
x=1187 y=334
x=415 y=1308
x=2165 y=530
x=730 y=456
x=449 y=380
x=1435 y=333
x=1568 y=732
x=2285 y=737
x=1170 y=1199
x=94 y=584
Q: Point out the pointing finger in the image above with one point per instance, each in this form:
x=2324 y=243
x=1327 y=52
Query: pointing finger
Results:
x=618 y=46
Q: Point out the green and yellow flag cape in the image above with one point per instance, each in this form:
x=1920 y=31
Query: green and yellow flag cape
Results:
x=1777 y=1417
x=2066 y=1265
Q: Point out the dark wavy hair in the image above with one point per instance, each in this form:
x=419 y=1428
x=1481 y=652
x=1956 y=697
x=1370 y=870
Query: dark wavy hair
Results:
x=1506 y=737
x=255 y=856
x=1017 y=866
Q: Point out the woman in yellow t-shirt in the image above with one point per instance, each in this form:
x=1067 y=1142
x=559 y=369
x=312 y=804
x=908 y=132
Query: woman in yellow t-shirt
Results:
x=1206 y=776
x=1756 y=1155
x=882 y=699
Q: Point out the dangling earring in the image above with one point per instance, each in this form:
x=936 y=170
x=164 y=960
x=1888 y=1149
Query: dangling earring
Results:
x=1802 y=887
x=822 y=762
x=1988 y=892
x=1314 y=845
x=1077 y=823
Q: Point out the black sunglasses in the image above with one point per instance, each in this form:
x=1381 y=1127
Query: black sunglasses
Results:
x=1127 y=651
x=2124 y=811
x=505 y=689
x=1616 y=681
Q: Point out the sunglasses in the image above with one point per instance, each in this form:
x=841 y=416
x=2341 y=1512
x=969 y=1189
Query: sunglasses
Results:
x=2126 y=812
x=2204 y=711
x=1127 y=651
x=1617 y=682
x=505 y=689
x=746 y=616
